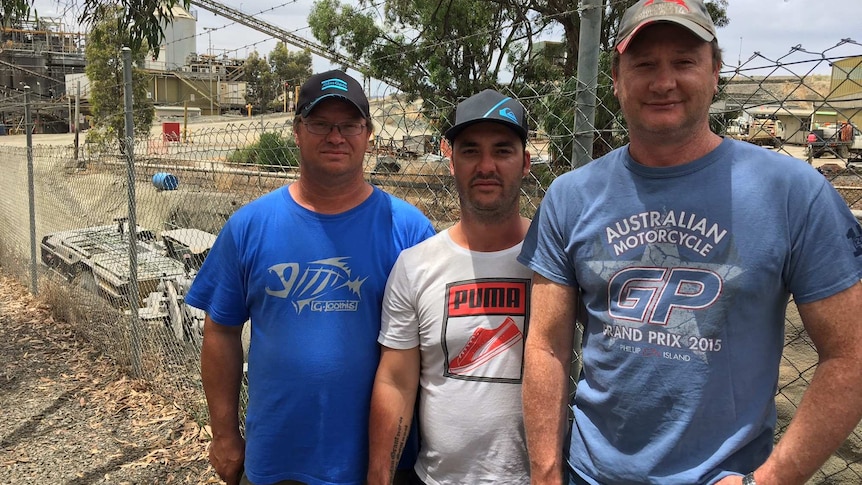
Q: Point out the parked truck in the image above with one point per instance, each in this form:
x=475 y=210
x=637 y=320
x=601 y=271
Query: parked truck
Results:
x=842 y=140
x=96 y=259
x=759 y=131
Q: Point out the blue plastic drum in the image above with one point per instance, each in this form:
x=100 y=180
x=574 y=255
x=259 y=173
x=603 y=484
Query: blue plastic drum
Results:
x=165 y=181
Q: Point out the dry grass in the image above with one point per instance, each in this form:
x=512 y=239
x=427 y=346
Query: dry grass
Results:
x=72 y=411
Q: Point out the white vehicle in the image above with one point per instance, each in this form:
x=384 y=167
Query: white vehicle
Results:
x=842 y=140
x=760 y=131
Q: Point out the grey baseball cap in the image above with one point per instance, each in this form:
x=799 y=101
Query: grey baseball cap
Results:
x=331 y=84
x=489 y=105
x=691 y=14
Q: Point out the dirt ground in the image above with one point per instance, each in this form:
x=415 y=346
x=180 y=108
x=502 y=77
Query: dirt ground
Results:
x=70 y=416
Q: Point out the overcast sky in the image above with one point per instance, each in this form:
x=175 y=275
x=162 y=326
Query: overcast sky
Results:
x=774 y=27
x=770 y=27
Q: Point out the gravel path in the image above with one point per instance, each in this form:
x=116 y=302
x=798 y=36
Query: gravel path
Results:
x=72 y=417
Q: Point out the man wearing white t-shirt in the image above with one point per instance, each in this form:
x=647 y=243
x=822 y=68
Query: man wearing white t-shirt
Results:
x=455 y=315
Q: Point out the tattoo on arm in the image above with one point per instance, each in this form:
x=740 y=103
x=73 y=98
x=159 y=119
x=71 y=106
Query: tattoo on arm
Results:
x=397 y=447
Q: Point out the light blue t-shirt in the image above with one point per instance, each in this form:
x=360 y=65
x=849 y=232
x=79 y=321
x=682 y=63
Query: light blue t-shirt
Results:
x=312 y=285
x=685 y=273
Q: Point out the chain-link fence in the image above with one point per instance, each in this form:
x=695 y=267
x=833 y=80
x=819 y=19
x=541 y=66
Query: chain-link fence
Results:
x=189 y=177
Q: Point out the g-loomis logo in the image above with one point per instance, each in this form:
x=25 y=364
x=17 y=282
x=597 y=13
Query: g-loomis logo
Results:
x=311 y=285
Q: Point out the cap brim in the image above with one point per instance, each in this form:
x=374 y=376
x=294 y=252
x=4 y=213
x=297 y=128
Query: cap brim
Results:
x=307 y=109
x=453 y=132
x=693 y=27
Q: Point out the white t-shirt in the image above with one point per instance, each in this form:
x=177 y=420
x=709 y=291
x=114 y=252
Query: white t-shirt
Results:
x=467 y=311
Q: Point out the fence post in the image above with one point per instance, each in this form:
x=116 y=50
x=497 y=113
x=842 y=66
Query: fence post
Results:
x=134 y=296
x=28 y=128
x=77 y=115
x=588 y=73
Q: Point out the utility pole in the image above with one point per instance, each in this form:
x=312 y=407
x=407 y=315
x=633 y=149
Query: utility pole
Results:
x=210 y=60
x=588 y=72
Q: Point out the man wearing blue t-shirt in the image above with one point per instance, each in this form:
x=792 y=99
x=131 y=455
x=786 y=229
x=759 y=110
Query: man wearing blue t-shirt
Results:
x=307 y=264
x=679 y=253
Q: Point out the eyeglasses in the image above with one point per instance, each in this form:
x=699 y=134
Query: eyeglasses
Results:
x=324 y=128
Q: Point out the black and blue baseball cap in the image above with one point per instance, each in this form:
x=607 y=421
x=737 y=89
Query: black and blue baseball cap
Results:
x=331 y=84
x=489 y=105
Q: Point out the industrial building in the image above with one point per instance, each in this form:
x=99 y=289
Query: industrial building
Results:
x=39 y=54
x=46 y=56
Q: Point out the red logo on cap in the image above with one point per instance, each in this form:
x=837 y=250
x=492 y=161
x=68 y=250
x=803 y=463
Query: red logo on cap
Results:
x=678 y=2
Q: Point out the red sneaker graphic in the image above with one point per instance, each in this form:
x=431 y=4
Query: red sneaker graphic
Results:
x=484 y=345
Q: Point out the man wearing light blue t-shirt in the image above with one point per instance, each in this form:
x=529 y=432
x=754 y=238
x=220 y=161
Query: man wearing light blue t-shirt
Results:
x=307 y=264
x=679 y=253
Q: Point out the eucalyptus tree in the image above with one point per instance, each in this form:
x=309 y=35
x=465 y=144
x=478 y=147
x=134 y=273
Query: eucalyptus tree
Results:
x=437 y=51
x=104 y=70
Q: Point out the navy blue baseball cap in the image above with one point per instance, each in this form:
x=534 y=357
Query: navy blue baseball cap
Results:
x=331 y=84
x=489 y=105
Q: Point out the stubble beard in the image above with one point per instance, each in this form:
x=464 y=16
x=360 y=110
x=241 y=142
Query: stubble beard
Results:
x=690 y=124
x=499 y=211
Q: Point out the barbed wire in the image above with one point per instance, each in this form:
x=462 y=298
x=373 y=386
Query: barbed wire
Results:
x=220 y=166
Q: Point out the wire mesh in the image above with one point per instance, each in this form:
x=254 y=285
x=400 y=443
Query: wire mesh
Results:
x=193 y=175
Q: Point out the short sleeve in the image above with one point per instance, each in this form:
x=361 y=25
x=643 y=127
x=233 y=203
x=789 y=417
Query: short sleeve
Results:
x=399 y=326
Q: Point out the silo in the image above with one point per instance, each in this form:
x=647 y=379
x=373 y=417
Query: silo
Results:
x=180 y=39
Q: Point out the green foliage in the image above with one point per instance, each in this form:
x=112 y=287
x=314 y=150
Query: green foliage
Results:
x=545 y=174
x=12 y=12
x=268 y=80
x=544 y=64
x=435 y=51
x=445 y=51
x=260 y=90
x=459 y=34
x=101 y=139
x=290 y=67
x=556 y=116
x=105 y=71
x=272 y=152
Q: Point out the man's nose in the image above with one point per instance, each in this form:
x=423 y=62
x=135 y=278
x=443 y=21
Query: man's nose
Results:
x=487 y=163
x=664 y=79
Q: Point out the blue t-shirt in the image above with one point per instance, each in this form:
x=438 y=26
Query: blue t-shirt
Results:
x=312 y=285
x=685 y=273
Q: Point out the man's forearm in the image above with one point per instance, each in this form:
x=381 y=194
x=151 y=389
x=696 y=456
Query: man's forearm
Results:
x=389 y=425
x=828 y=413
x=547 y=358
x=392 y=401
x=832 y=405
x=221 y=375
x=544 y=398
